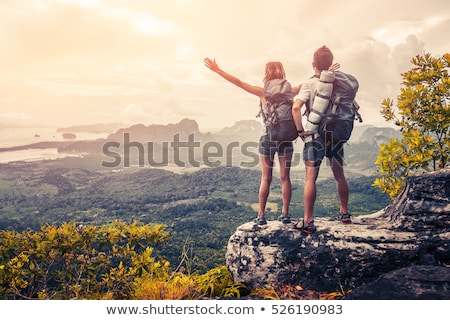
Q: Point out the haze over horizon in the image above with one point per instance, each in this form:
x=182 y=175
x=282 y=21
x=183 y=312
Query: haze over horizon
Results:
x=80 y=62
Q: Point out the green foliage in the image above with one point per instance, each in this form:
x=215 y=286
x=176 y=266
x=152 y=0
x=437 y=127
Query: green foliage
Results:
x=216 y=282
x=70 y=262
x=107 y=262
x=424 y=117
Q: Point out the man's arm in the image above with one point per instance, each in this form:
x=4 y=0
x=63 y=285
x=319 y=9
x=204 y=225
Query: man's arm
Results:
x=297 y=115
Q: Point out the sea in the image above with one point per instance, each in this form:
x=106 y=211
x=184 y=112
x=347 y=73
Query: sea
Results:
x=12 y=137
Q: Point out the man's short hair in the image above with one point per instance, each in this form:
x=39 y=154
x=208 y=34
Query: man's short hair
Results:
x=323 y=58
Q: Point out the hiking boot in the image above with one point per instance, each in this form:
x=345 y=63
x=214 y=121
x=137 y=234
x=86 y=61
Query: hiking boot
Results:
x=285 y=218
x=307 y=228
x=261 y=220
x=346 y=218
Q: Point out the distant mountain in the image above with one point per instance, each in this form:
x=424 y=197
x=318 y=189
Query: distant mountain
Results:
x=93 y=128
x=243 y=128
x=373 y=135
x=158 y=132
x=237 y=145
x=358 y=131
x=251 y=129
x=377 y=135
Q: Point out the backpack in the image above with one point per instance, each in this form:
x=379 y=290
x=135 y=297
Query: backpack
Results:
x=336 y=123
x=277 y=111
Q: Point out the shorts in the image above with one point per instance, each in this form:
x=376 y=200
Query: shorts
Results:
x=315 y=150
x=268 y=148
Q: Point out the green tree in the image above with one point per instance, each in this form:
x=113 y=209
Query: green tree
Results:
x=424 y=117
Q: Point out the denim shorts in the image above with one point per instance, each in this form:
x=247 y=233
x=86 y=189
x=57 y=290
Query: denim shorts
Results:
x=315 y=150
x=268 y=148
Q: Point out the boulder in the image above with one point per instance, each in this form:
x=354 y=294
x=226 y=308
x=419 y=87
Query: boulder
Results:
x=413 y=231
x=416 y=282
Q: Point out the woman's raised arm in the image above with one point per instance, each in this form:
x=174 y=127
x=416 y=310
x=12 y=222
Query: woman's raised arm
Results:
x=213 y=66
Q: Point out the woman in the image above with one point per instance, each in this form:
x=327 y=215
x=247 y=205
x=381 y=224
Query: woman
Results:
x=267 y=148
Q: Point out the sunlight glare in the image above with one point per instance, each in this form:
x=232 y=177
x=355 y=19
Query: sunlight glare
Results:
x=151 y=25
x=184 y=51
x=82 y=3
x=394 y=35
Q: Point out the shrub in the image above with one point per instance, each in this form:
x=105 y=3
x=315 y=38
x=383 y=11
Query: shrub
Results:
x=70 y=262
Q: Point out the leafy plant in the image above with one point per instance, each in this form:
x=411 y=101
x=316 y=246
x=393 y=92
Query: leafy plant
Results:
x=217 y=282
x=424 y=117
x=70 y=262
x=107 y=262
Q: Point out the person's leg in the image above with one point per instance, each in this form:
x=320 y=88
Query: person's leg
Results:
x=313 y=153
x=341 y=184
x=309 y=193
x=336 y=156
x=286 y=185
x=266 y=180
x=309 y=197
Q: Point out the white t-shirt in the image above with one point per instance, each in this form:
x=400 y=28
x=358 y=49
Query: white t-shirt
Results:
x=308 y=91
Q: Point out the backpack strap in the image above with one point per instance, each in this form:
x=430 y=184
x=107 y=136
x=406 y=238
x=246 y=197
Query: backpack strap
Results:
x=261 y=112
x=335 y=105
x=355 y=107
x=269 y=115
x=357 y=114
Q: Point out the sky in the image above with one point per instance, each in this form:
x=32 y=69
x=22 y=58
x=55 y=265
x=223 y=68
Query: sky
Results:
x=80 y=62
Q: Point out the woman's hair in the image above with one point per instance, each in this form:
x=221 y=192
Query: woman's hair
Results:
x=274 y=70
x=323 y=58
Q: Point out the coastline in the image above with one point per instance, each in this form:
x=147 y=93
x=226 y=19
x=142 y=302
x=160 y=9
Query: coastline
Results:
x=37 y=145
x=32 y=155
x=34 y=144
x=46 y=150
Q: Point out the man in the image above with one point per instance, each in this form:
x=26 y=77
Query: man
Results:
x=315 y=148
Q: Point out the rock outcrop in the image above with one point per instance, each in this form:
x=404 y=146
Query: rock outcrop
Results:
x=414 y=282
x=412 y=233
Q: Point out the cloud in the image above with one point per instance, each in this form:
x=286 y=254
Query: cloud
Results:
x=403 y=52
x=94 y=60
x=14 y=116
x=133 y=112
